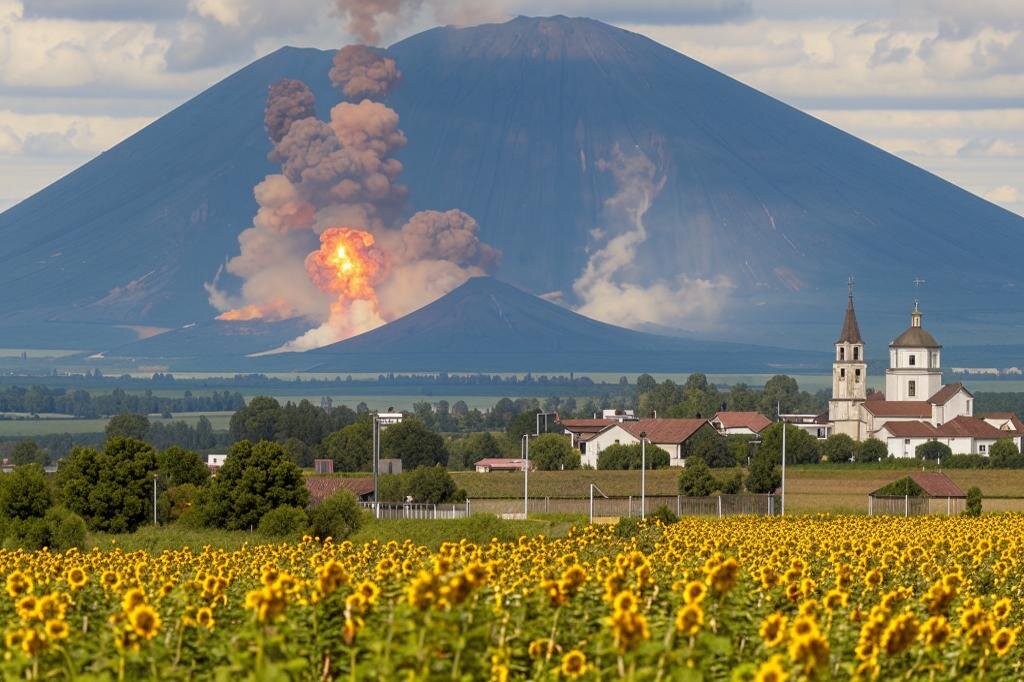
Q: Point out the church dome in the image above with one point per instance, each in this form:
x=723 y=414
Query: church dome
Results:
x=915 y=337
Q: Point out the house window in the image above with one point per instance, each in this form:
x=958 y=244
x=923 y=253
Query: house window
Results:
x=856 y=376
x=842 y=353
x=906 y=441
x=856 y=352
x=912 y=388
x=983 y=449
x=913 y=360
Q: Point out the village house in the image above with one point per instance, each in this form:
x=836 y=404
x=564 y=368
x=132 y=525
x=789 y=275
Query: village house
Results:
x=668 y=434
x=740 y=423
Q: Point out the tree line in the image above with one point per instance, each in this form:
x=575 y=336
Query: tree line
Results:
x=79 y=403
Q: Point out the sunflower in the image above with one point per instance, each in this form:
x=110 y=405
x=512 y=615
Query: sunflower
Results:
x=144 y=621
x=132 y=598
x=204 y=617
x=76 y=577
x=689 y=620
x=1003 y=640
x=1001 y=609
x=574 y=664
x=773 y=630
x=18 y=583
x=771 y=671
x=33 y=642
x=935 y=631
x=57 y=629
x=694 y=592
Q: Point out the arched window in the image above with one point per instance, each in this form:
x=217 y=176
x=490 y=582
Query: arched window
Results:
x=912 y=388
x=842 y=353
x=856 y=352
x=856 y=376
x=913 y=360
x=842 y=373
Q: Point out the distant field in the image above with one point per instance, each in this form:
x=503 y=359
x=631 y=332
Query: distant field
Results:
x=35 y=353
x=29 y=428
x=374 y=397
x=809 y=489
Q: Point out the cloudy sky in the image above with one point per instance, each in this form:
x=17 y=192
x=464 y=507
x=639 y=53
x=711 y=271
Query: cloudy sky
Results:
x=937 y=82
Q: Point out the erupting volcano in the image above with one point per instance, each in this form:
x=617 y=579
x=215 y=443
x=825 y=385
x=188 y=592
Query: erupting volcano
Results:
x=338 y=185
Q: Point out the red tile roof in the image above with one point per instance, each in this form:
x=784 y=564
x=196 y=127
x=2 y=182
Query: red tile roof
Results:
x=755 y=421
x=322 y=487
x=934 y=484
x=899 y=408
x=946 y=393
x=1009 y=418
x=664 y=430
x=586 y=425
x=914 y=429
x=507 y=464
x=972 y=427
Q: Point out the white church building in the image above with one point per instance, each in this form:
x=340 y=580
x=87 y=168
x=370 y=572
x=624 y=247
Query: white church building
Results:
x=915 y=408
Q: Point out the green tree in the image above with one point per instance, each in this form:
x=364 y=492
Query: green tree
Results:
x=429 y=485
x=25 y=493
x=801 y=447
x=764 y=475
x=645 y=383
x=973 y=505
x=872 y=450
x=178 y=466
x=256 y=421
x=1004 y=454
x=351 y=447
x=413 y=443
x=466 y=451
x=109 y=489
x=28 y=452
x=741 y=447
x=284 y=521
x=712 y=448
x=254 y=480
x=696 y=479
x=629 y=457
x=336 y=517
x=743 y=399
x=780 y=390
x=731 y=484
x=933 y=450
x=128 y=425
x=205 y=438
x=552 y=452
x=838 y=448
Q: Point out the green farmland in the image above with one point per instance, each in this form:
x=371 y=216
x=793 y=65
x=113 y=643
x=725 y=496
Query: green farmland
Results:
x=30 y=428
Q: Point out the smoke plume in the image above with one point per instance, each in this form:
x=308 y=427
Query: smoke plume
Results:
x=358 y=72
x=609 y=287
x=327 y=242
x=364 y=16
x=287 y=101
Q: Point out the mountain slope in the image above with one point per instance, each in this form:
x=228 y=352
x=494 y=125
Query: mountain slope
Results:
x=489 y=326
x=509 y=122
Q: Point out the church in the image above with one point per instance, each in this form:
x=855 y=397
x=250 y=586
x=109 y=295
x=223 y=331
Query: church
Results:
x=916 y=407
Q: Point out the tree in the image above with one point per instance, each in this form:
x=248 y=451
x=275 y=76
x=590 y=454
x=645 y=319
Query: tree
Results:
x=25 y=493
x=764 y=475
x=1004 y=454
x=801 y=447
x=415 y=444
x=973 y=505
x=254 y=480
x=712 y=448
x=838 y=448
x=933 y=450
x=872 y=450
x=780 y=391
x=205 y=438
x=429 y=485
x=464 y=452
x=336 y=517
x=283 y=521
x=351 y=447
x=256 y=421
x=178 y=466
x=696 y=479
x=741 y=447
x=127 y=425
x=109 y=489
x=645 y=383
x=552 y=452
x=28 y=452
x=630 y=456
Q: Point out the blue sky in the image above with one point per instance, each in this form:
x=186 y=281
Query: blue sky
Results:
x=940 y=83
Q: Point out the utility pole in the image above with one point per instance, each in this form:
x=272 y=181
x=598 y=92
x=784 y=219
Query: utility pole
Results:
x=376 y=463
x=643 y=473
x=154 y=498
x=783 y=422
x=526 y=476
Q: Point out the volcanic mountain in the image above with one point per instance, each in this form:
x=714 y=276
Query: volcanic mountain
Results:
x=488 y=326
x=518 y=124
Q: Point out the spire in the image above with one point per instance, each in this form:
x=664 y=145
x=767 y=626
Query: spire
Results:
x=851 y=331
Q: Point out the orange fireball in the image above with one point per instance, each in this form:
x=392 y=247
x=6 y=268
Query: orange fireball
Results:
x=347 y=263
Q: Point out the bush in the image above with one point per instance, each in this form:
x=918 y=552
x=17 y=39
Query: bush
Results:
x=25 y=493
x=283 y=522
x=932 y=450
x=696 y=479
x=336 y=517
x=839 y=448
x=111 y=489
x=629 y=457
x=1004 y=455
x=764 y=475
x=66 y=529
x=714 y=451
x=973 y=507
x=665 y=515
x=731 y=484
x=872 y=450
x=741 y=447
x=965 y=462
x=554 y=452
x=429 y=485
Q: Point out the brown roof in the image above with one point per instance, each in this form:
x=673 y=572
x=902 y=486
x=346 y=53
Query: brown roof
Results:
x=510 y=463
x=1009 y=417
x=586 y=425
x=664 y=430
x=972 y=427
x=933 y=483
x=898 y=408
x=851 y=331
x=914 y=429
x=755 y=421
x=915 y=337
x=322 y=487
x=946 y=393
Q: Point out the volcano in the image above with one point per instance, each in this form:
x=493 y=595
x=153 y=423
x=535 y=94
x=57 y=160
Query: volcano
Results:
x=489 y=326
x=515 y=124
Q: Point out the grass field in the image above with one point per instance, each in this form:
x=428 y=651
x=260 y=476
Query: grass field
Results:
x=29 y=428
x=809 y=489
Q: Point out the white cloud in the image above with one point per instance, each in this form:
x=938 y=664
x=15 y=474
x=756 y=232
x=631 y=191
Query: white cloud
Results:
x=1004 y=194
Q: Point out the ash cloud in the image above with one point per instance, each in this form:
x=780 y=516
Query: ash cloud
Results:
x=358 y=71
x=611 y=287
x=288 y=101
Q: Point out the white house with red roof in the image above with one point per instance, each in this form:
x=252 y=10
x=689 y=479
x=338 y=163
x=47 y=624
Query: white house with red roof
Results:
x=740 y=423
x=668 y=434
x=916 y=406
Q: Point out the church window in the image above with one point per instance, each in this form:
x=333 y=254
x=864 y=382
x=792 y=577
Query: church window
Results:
x=913 y=360
x=912 y=388
x=856 y=352
x=842 y=353
x=842 y=373
x=857 y=376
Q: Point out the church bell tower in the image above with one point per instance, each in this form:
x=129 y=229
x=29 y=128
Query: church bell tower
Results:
x=849 y=377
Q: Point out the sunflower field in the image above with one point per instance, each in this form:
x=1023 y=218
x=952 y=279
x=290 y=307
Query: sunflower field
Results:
x=763 y=599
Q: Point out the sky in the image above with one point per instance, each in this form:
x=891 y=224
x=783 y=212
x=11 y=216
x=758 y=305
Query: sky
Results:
x=939 y=83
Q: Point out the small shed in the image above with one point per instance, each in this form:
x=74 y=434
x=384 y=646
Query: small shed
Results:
x=918 y=493
x=322 y=487
x=489 y=464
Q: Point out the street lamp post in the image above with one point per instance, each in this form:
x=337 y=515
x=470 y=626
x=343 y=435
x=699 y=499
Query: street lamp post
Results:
x=154 y=498
x=783 y=422
x=376 y=463
x=526 y=476
x=643 y=473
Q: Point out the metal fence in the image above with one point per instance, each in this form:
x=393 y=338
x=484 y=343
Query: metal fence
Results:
x=391 y=510
x=717 y=505
x=905 y=505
